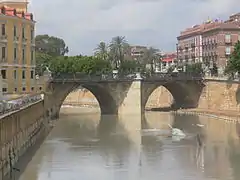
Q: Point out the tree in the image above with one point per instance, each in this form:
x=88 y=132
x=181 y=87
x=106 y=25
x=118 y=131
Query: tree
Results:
x=42 y=60
x=50 y=45
x=151 y=56
x=129 y=66
x=79 y=64
x=195 y=68
x=233 y=65
x=102 y=51
x=117 y=47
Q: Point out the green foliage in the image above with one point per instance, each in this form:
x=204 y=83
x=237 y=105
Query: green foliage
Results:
x=194 y=68
x=50 y=45
x=233 y=65
x=42 y=60
x=130 y=66
x=170 y=69
x=83 y=64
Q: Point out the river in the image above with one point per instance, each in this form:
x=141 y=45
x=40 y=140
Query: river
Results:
x=84 y=145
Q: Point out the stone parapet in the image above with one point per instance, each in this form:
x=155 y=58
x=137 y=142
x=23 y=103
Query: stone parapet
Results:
x=19 y=131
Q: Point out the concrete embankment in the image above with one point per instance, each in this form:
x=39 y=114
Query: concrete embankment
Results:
x=20 y=130
x=226 y=116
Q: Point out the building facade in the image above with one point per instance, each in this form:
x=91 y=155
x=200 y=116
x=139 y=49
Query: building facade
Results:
x=168 y=60
x=138 y=51
x=210 y=43
x=17 y=47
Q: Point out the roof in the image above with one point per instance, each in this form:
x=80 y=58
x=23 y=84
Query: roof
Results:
x=206 y=27
x=168 y=59
x=8 y=11
x=14 y=1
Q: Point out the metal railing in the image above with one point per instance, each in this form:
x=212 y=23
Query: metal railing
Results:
x=79 y=77
x=224 y=78
x=17 y=104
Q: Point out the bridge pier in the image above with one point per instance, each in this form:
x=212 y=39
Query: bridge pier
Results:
x=132 y=102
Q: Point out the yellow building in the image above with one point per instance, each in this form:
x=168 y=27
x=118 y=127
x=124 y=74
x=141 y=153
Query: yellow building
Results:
x=17 y=47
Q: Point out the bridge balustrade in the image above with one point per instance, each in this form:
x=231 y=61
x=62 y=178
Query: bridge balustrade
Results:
x=124 y=77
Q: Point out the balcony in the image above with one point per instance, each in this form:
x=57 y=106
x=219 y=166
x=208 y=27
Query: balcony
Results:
x=24 y=40
x=15 y=61
x=3 y=38
x=4 y=61
x=227 y=53
x=15 y=39
x=33 y=44
x=228 y=40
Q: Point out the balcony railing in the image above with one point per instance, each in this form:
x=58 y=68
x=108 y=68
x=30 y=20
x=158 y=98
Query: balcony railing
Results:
x=227 y=40
x=3 y=37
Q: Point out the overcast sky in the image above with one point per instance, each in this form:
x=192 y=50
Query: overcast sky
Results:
x=84 y=23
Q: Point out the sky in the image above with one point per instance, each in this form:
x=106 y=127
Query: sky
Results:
x=84 y=23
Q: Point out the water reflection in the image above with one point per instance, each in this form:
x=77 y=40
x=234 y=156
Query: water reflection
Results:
x=91 y=146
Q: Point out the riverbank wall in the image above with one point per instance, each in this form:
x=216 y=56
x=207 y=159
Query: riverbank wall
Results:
x=217 y=97
x=19 y=131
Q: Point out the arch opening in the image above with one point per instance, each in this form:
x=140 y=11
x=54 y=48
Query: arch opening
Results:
x=80 y=97
x=103 y=98
x=181 y=94
x=160 y=99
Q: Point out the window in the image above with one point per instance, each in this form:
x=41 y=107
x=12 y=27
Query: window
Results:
x=23 y=74
x=32 y=57
x=23 y=56
x=4 y=74
x=23 y=33
x=23 y=89
x=32 y=34
x=228 y=50
x=32 y=88
x=4 y=89
x=40 y=88
x=32 y=74
x=15 y=89
x=3 y=52
x=15 y=54
x=3 y=29
x=15 y=74
x=14 y=31
x=228 y=37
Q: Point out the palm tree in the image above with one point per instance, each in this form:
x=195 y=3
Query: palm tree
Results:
x=151 y=56
x=118 y=47
x=102 y=51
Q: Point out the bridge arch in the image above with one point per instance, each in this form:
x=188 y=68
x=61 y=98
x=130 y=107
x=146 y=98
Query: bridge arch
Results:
x=57 y=93
x=185 y=94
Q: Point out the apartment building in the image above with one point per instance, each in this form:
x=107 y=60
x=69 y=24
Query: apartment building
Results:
x=218 y=43
x=137 y=51
x=210 y=43
x=17 y=47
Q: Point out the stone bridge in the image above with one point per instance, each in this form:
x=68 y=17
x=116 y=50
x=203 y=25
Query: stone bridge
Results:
x=123 y=95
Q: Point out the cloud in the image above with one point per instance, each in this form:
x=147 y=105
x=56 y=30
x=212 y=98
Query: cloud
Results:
x=83 y=23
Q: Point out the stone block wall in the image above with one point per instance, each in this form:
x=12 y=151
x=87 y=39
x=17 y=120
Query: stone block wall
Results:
x=19 y=131
x=215 y=96
x=220 y=96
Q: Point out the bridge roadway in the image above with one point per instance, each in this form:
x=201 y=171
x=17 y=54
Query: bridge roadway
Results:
x=68 y=77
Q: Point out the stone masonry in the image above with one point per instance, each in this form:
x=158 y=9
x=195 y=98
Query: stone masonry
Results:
x=18 y=132
x=215 y=96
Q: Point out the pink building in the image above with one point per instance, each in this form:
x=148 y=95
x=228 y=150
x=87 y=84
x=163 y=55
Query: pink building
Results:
x=210 y=43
